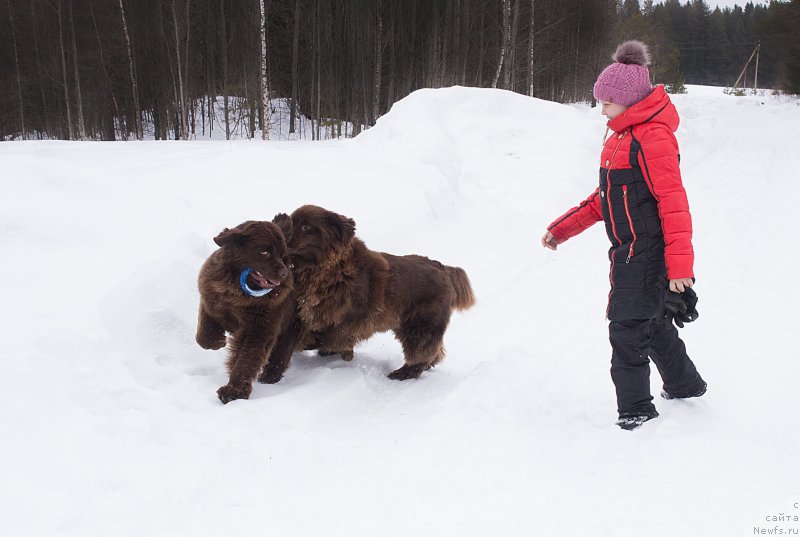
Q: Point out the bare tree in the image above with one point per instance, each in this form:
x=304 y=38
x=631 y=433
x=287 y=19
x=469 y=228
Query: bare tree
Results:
x=184 y=119
x=105 y=71
x=64 y=73
x=78 y=96
x=188 y=22
x=224 y=59
x=264 y=75
x=45 y=114
x=531 y=35
x=376 y=98
x=295 y=60
x=137 y=112
x=318 y=70
x=16 y=66
x=508 y=78
x=504 y=49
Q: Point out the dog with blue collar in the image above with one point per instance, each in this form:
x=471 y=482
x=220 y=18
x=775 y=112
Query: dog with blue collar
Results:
x=247 y=292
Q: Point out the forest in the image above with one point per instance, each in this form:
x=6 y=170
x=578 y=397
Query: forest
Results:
x=171 y=69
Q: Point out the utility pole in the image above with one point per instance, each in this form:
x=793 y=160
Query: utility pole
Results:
x=755 y=84
x=745 y=67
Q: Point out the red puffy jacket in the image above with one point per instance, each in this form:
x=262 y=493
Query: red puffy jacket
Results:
x=643 y=203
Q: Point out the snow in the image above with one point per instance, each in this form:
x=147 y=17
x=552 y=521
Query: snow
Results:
x=110 y=420
x=212 y=127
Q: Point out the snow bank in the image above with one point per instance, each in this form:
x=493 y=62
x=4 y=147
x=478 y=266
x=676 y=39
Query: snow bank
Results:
x=109 y=411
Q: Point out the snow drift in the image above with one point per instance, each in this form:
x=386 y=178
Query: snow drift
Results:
x=110 y=417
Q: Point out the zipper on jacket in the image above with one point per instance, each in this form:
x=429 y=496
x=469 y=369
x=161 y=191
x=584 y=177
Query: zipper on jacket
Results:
x=608 y=189
x=611 y=217
x=630 y=221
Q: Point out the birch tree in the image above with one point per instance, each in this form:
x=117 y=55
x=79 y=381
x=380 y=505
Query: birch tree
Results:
x=531 y=35
x=511 y=61
x=504 y=49
x=264 y=75
x=179 y=66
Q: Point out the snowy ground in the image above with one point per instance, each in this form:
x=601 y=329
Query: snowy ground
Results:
x=110 y=421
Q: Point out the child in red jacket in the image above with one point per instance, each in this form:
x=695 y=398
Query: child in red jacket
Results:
x=643 y=203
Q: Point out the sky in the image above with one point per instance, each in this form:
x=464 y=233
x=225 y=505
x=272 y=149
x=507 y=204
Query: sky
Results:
x=728 y=3
x=725 y=3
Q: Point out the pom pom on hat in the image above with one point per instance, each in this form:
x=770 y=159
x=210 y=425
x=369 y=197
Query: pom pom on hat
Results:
x=632 y=53
x=627 y=80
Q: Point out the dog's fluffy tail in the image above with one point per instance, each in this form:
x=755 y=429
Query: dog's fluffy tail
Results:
x=463 y=298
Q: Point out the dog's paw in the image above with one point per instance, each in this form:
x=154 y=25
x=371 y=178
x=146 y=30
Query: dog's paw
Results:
x=270 y=377
x=407 y=372
x=347 y=356
x=230 y=392
x=211 y=344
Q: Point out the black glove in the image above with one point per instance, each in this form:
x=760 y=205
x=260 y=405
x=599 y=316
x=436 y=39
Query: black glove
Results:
x=681 y=307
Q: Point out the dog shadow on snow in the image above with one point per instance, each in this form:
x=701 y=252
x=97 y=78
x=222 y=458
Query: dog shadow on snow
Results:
x=368 y=369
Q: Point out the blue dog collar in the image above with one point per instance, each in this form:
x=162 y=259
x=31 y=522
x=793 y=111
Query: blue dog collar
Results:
x=247 y=289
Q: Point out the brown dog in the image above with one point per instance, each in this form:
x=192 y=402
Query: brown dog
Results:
x=347 y=293
x=246 y=289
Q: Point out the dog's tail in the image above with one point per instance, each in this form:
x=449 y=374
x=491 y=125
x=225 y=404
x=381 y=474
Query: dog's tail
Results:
x=463 y=298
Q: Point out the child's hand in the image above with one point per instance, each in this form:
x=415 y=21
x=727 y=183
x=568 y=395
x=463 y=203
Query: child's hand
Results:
x=680 y=285
x=548 y=241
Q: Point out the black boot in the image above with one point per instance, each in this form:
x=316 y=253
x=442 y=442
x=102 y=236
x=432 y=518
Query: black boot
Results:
x=697 y=392
x=632 y=421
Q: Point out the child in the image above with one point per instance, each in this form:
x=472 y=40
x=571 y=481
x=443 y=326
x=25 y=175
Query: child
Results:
x=643 y=204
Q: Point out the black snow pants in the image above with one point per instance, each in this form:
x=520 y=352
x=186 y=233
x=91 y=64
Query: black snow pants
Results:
x=632 y=341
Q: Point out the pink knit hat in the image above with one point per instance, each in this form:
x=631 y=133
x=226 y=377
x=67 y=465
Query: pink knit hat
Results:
x=627 y=81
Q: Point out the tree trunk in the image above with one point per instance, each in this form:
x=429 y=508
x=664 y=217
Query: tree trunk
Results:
x=79 y=98
x=577 y=57
x=295 y=59
x=210 y=88
x=105 y=71
x=45 y=108
x=319 y=69
x=16 y=66
x=376 y=98
x=511 y=58
x=224 y=54
x=531 y=34
x=187 y=102
x=137 y=112
x=467 y=41
x=264 y=77
x=506 y=40
x=64 y=72
x=184 y=131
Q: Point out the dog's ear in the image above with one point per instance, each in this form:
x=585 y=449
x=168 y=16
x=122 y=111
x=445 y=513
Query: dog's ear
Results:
x=284 y=221
x=227 y=237
x=342 y=228
x=236 y=235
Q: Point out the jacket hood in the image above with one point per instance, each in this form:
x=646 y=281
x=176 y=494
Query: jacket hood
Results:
x=655 y=108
